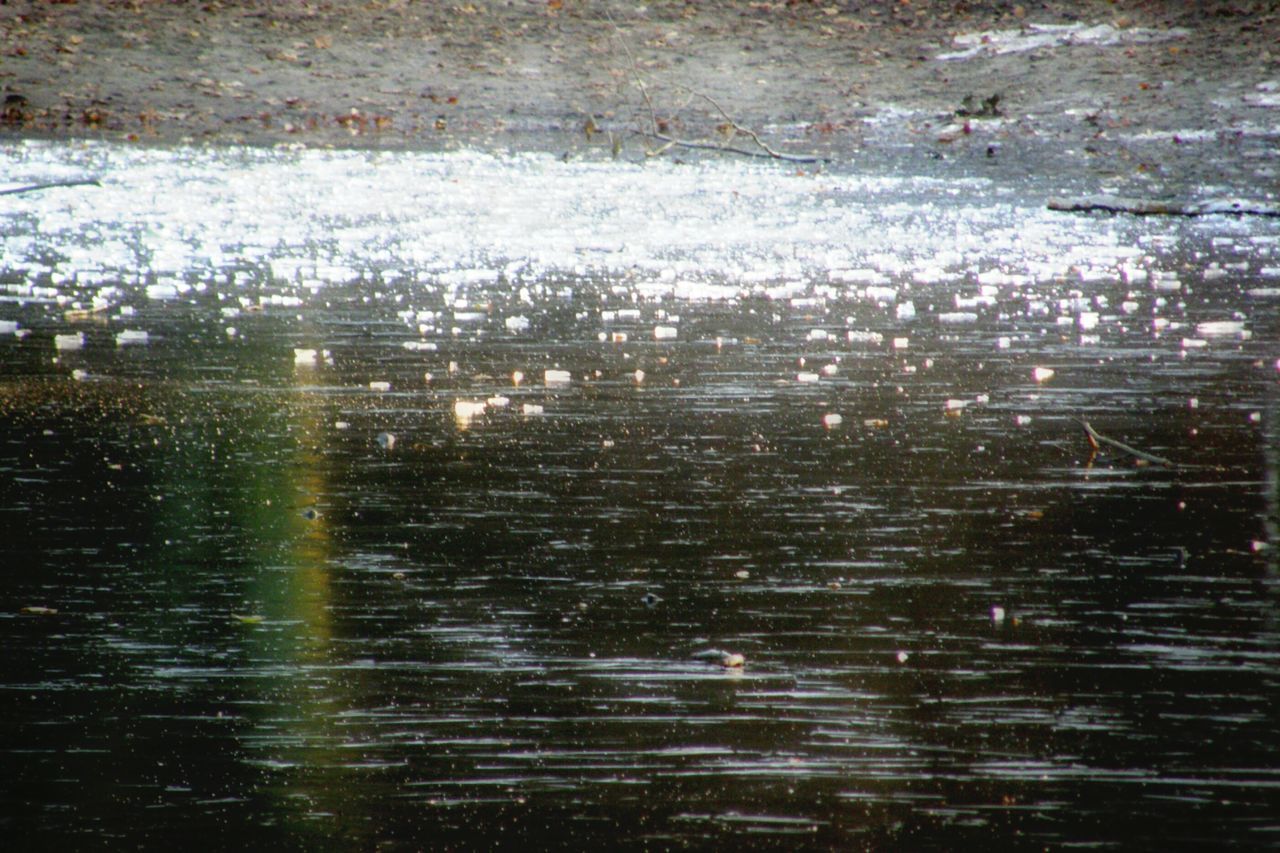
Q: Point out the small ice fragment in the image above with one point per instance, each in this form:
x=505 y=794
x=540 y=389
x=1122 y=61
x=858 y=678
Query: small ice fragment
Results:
x=832 y=420
x=997 y=614
x=531 y=409
x=805 y=376
x=1255 y=417
x=817 y=334
x=1193 y=403
x=664 y=333
x=955 y=318
x=900 y=343
x=556 y=377
x=1022 y=420
x=903 y=657
x=1042 y=374
x=517 y=324
x=1220 y=327
x=954 y=405
x=232 y=331
x=386 y=440
x=131 y=337
x=830 y=369
x=1194 y=343
x=1003 y=343
x=419 y=346
x=341 y=425
x=379 y=385
x=498 y=401
x=517 y=376
x=638 y=376
x=304 y=356
x=860 y=337
x=906 y=310
x=8 y=327
x=1087 y=320
x=79 y=374
x=465 y=411
x=72 y=341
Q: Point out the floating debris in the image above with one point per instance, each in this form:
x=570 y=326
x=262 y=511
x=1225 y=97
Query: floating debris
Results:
x=386 y=440
x=728 y=660
x=66 y=343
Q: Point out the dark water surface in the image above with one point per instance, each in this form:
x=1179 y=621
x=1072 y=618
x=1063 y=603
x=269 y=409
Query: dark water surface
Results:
x=253 y=599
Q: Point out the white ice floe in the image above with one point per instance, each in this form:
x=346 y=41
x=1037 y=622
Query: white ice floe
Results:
x=1036 y=36
x=132 y=337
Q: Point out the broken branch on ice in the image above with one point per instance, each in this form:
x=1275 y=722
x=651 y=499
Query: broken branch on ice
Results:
x=93 y=182
x=1157 y=207
x=1097 y=439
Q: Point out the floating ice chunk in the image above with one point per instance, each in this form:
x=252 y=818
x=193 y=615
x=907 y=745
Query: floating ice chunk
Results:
x=863 y=337
x=517 y=376
x=1042 y=374
x=531 y=409
x=832 y=420
x=817 y=334
x=1220 y=328
x=1022 y=420
x=379 y=385
x=73 y=341
x=465 y=411
x=162 y=291
x=304 y=356
x=954 y=405
x=131 y=337
x=498 y=402
x=8 y=327
x=664 y=333
x=420 y=346
x=1003 y=342
x=517 y=324
x=882 y=294
x=1087 y=320
x=957 y=317
x=638 y=376
x=1194 y=343
x=906 y=310
x=830 y=369
x=807 y=377
x=901 y=343
x=556 y=377
x=997 y=614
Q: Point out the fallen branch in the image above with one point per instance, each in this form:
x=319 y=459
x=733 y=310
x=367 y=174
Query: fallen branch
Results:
x=93 y=182
x=1096 y=440
x=1156 y=207
x=654 y=127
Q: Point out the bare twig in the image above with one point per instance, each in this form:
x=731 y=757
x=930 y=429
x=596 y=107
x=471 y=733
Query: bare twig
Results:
x=1157 y=207
x=1096 y=440
x=654 y=129
x=50 y=185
